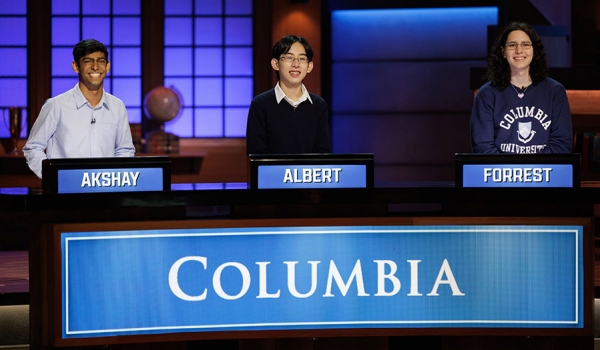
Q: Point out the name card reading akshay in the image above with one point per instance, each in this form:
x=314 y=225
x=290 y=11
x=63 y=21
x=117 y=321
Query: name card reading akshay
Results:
x=312 y=176
x=518 y=175
x=110 y=180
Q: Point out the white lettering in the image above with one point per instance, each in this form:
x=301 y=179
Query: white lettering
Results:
x=487 y=173
x=245 y=281
x=86 y=182
x=291 y=280
x=317 y=175
x=306 y=175
x=335 y=274
x=336 y=171
x=116 y=179
x=110 y=179
x=262 y=282
x=445 y=270
x=96 y=179
x=126 y=181
x=517 y=175
x=414 y=278
x=287 y=177
x=386 y=276
x=382 y=277
x=312 y=175
x=135 y=176
x=174 y=278
x=527 y=112
x=327 y=175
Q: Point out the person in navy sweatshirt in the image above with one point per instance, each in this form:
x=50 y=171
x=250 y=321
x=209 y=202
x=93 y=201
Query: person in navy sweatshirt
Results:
x=288 y=119
x=520 y=109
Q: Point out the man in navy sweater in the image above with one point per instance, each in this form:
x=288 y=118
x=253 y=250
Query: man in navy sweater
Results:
x=288 y=119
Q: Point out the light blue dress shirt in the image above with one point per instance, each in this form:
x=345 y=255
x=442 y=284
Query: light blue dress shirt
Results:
x=69 y=127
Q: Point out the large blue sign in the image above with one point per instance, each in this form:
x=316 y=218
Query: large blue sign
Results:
x=312 y=176
x=517 y=175
x=110 y=180
x=290 y=278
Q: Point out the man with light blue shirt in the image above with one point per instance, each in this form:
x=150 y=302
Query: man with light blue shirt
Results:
x=84 y=122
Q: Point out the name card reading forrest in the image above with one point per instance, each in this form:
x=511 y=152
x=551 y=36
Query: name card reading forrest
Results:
x=509 y=170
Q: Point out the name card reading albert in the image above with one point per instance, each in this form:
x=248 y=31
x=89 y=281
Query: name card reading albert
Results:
x=311 y=171
x=93 y=175
x=324 y=176
x=552 y=171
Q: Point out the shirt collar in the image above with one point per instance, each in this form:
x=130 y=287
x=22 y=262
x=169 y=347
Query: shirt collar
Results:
x=80 y=100
x=280 y=95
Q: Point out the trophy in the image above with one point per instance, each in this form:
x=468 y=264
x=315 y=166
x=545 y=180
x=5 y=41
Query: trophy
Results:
x=15 y=119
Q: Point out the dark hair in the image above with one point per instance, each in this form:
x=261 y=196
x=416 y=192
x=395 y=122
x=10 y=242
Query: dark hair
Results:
x=86 y=47
x=498 y=69
x=284 y=45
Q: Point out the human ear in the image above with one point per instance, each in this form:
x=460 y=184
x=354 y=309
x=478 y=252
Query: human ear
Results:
x=275 y=64
x=75 y=67
x=310 y=67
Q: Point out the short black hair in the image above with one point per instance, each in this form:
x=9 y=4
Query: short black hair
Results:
x=284 y=45
x=86 y=47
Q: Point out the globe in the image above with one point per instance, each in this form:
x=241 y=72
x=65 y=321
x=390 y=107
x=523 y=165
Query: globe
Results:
x=162 y=104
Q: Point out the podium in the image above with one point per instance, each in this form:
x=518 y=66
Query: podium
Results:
x=518 y=170
x=513 y=267
x=110 y=174
x=311 y=171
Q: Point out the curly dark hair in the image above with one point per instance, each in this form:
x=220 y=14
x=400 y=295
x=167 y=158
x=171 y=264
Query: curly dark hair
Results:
x=498 y=70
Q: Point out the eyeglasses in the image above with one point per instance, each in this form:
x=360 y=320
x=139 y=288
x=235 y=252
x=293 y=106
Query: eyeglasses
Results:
x=290 y=59
x=90 y=61
x=513 y=46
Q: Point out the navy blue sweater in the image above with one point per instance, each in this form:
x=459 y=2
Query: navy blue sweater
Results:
x=539 y=122
x=279 y=128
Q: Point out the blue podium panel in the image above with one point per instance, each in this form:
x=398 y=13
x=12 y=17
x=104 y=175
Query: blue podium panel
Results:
x=518 y=175
x=113 y=174
x=509 y=170
x=312 y=176
x=285 y=278
x=110 y=180
x=311 y=171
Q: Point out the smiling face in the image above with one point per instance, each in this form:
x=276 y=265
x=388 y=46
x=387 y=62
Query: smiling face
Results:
x=518 y=57
x=292 y=73
x=92 y=69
